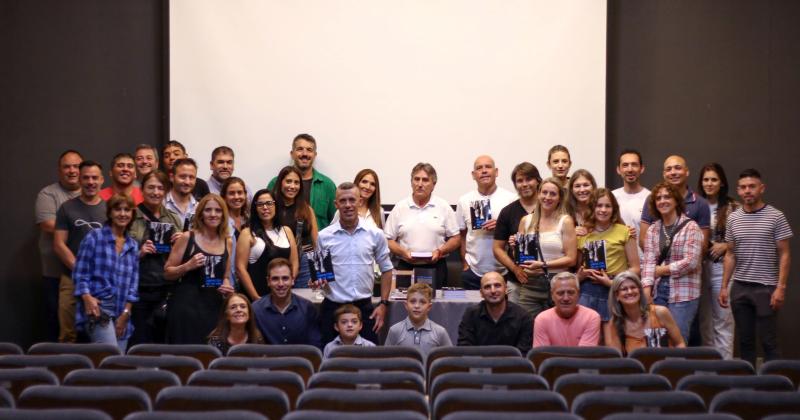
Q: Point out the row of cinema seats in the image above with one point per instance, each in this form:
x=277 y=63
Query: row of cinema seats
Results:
x=293 y=382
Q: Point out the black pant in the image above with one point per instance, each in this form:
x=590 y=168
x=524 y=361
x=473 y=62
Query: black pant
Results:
x=326 y=320
x=752 y=312
x=146 y=327
x=50 y=288
x=439 y=279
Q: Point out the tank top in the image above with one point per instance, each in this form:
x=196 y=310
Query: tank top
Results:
x=552 y=245
x=654 y=336
x=261 y=253
x=214 y=266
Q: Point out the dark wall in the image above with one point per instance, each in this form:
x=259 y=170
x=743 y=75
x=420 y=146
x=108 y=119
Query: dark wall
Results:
x=76 y=74
x=712 y=81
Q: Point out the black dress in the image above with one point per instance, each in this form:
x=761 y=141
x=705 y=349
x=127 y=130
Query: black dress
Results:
x=193 y=308
x=258 y=269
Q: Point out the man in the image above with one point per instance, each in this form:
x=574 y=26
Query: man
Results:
x=758 y=261
x=173 y=151
x=495 y=320
x=179 y=199
x=221 y=169
x=632 y=195
x=123 y=173
x=146 y=158
x=422 y=229
x=48 y=201
x=354 y=248
x=676 y=172
x=567 y=323
x=526 y=180
x=282 y=316
x=476 y=213
x=74 y=220
x=318 y=189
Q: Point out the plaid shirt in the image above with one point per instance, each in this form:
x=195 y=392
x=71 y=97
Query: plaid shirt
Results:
x=111 y=278
x=684 y=260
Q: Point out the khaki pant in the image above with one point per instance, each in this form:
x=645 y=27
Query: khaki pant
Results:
x=66 y=310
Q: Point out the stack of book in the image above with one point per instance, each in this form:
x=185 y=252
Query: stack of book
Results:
x=454 y=293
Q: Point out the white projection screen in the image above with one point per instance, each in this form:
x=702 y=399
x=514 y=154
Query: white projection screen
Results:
x=384 y=84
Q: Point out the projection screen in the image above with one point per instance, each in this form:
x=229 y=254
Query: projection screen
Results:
x=384 y=84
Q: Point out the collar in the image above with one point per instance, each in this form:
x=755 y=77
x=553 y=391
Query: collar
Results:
x=108 y=237
x=408 y=326
x=413 y=204
x=484 y=313
x=171 y=200
x=359 y=341
x=337 y=227
x=213 y=181
x=271 y=306
x=690 y=196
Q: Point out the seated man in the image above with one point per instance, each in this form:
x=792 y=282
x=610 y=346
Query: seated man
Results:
x=495 y=320
x=281 y=316
x=567 y=323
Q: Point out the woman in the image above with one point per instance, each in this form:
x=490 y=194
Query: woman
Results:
x=607 y=250
x=369 y=209
x=559 y=162
x=261 y=243
x=635 y=323
x=234 y=192
x=236 y=325
x=294 y=212
x=555 y=232
x=155 y=229
x=713 y=186
x=106 y=276
x=199 y=260
x=671 y=267
x=580 y=187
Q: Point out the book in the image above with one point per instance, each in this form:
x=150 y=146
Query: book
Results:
x=480 y=212
x=526 y=248
x=594 y=255
x=161 y=235
x=320 y=265
x=425 y=275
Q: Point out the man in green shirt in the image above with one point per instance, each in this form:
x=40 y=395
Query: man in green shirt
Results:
x=318 y=189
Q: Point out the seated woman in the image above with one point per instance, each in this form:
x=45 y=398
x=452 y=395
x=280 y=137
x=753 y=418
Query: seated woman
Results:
x=106 y=277
x=200 y=259
x=607 y=250
x=369 y=208
x=262 y=242
x=635 y=323
x=672 y=254
x=236 y=325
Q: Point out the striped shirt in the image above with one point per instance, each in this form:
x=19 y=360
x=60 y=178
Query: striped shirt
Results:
x=754 y=237
x=684 y=260
x=111 y=278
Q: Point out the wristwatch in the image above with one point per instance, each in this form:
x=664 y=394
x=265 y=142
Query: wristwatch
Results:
x=544 y=265
x=384 y=302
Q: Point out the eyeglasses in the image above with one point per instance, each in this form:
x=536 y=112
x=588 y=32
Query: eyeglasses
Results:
x=265 y=203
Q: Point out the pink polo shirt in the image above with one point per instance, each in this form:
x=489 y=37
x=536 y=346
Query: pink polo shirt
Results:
x=582 y=329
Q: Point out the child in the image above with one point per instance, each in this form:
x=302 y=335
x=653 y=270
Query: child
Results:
x=417 y=330
x=348 y=325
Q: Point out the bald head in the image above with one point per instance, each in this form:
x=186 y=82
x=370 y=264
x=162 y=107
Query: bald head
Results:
x=676 y=172
x=485 y=174
x=493 y=288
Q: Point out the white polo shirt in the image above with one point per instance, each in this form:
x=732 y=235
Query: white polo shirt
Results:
x=479 y=255
x=421 y=229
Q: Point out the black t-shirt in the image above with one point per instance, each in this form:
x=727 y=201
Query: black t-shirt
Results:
x=200 y=189
x=307 y=190
x=78 y=219
x=508 y=221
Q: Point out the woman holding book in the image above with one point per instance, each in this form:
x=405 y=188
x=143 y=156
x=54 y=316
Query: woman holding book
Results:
x=580 y=188
x=294 y=212
x=607 y=250
x=672 y=255
x=155 y=229
x=554 y=231
x=263 y=241
x=369 y=208
x=635 y=322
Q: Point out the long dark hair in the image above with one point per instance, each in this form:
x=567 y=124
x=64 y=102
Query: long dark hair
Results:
x=223 y=328
x=223 y=192
x=256 y=227
x=302 y=209
x=374 y=202
x=723 y=199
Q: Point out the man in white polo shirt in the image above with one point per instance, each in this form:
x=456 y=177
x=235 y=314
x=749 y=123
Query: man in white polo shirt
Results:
x=477 y=213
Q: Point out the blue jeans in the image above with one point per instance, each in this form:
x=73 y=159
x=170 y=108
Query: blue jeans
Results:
x=303 y=274
x=107 y=334
x=683 y=313
x=470 y=280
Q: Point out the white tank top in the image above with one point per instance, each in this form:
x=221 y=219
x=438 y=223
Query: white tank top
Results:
x=278 y=238
x=551 y=243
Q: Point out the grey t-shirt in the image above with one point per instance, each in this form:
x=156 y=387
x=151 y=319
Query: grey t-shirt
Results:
x=78 y=219
x=48 y=201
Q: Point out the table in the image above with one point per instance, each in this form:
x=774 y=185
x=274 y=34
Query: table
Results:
x=445 y=312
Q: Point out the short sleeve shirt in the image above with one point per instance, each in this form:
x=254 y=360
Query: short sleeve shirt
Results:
x=754 y=236
x=49 y=199
x=479 y=255
x=78 y=219
x=421 y=229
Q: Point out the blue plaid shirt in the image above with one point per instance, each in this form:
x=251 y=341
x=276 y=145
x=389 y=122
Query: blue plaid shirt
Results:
x=111 y=278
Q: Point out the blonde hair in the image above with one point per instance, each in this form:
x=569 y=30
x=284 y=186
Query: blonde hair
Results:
x=197 y=220
x=533 y=219
x=421 y=288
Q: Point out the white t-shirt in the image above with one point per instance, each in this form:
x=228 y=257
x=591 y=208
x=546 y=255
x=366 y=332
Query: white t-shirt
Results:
x=630 y=209
x=479 y=254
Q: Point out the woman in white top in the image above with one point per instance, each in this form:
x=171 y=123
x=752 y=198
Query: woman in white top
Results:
x=265 y=240
x=555 y=231
x=369 y=208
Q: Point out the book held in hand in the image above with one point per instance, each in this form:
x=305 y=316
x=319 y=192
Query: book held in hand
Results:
x=320 y=265
x=480 y=212
x=161 y=235
x=594 y=255
x=526 y=248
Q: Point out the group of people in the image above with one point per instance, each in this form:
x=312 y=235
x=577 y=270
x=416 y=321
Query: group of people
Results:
x=163 y=256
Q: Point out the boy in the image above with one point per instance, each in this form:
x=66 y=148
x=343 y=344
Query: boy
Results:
x=348 y=325
x=417 y=330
